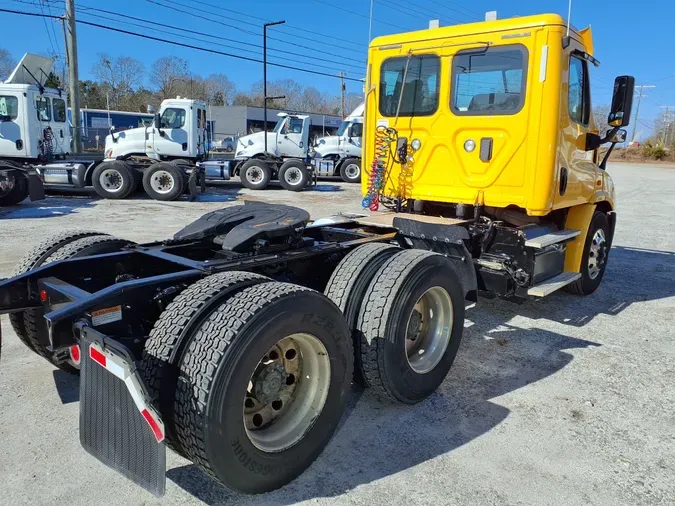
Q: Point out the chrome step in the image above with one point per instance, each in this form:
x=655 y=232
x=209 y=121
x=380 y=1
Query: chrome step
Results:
x=553 y=238
x=555 y=283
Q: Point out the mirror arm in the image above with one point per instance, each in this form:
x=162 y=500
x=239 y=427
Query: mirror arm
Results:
x=594 y=141
x=603 y=164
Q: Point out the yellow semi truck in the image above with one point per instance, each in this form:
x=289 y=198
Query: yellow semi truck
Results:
x=493 y=123
x=236 y=341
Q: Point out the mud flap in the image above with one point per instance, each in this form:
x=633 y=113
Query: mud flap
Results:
x=117 y=425
x=36 y=190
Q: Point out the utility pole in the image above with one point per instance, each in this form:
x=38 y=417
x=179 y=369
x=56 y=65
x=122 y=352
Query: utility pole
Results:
x=265 y=97
x=73 y=74
x=637 y=109
x=668 y=121
x=342 y=93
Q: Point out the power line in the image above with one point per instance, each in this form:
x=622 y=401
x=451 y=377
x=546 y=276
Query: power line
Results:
x=51 y=42
x=416 y=12
x=256 y=34
x=282 y=28
x=127 y=17
x=180 y=44
x=360 y=15
x=471 y=12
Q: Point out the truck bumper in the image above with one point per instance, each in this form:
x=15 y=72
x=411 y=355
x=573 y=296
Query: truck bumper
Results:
x=118 y=425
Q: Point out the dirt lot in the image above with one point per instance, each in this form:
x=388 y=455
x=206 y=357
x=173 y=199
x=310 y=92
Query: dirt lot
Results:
x=566 y=400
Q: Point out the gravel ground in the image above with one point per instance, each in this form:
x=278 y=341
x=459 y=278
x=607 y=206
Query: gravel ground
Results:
x=566 y=400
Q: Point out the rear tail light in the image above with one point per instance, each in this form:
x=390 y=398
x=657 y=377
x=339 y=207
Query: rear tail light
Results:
x=75 y=354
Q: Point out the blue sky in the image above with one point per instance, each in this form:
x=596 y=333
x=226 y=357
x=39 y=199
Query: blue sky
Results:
x=630 y=37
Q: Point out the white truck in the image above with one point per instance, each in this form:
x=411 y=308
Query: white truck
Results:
x=35 y=136
x=28 y=133
x=340 y=154
x=292 y=158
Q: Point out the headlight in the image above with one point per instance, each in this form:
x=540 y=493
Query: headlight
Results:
x=240 y=153
x=416 y=144
x=108 y=154
x=469 y=145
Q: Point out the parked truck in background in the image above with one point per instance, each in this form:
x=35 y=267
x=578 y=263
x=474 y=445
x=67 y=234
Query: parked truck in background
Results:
x=29 y=129
x=162 y=156
x=340 y=154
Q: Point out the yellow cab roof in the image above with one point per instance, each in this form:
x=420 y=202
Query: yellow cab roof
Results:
x=499 y=25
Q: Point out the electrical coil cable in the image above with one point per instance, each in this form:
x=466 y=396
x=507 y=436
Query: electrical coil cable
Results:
x=384 y=137
x=47 y=146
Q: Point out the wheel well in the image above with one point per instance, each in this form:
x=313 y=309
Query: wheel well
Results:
x=604 y=206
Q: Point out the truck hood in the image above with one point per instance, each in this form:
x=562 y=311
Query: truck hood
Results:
x=326 y=145
x=122 y=139
x=254 y=144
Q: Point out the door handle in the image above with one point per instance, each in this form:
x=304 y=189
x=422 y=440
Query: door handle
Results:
x=486 y=149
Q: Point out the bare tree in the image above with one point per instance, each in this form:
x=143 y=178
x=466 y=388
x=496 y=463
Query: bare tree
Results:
x=168 y=75
x=219 y=89
x=600 y=113
x=7 y=64
x=121 y=74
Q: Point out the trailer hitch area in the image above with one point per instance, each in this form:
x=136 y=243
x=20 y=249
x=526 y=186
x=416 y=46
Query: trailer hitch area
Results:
x=118 y=424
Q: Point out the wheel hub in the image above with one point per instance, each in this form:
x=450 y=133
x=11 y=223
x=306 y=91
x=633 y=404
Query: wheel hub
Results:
x=414 y=325
x=286 y=392
x=269 y=382
x=111 y=180
x=352 y=170
x=597 y=254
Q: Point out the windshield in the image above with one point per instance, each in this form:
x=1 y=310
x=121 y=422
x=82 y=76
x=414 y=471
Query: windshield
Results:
x=279 y=124
x=343 y=127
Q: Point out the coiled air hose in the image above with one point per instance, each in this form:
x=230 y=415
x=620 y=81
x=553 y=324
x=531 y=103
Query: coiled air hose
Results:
x=384 y=137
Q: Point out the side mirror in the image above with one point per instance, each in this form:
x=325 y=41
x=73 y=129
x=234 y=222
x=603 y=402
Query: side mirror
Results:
x=622 y=101
x=618 y=137
x=158 y=121
x=112 y=128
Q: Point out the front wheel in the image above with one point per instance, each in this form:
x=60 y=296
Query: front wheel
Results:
x=594 y=260
x=263 y=384
x=350 y=170
x=164 y=181
x=114 y=179
x=293 y=175
x=255 y=174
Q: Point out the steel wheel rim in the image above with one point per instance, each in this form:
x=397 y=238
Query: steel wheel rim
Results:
x=254 y=174
x=162 y=182
x=293 y=176
x=352 y=170
x=597 y=255
x=286 y=392
x=429 y=330
x=111 y=180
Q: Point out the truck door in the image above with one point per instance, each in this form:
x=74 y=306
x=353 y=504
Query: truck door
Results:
x=353 y=142
x=577 y=171
x=60 y=133
x=12 y=125
x=43 y=107
x=171 y=138
x=293 y=137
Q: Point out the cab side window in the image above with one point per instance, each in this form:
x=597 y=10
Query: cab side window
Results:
x=173 y=118
x=59 y=110
x=579 y=92
x=296 y=126
x=356 y=130
x=43 y=106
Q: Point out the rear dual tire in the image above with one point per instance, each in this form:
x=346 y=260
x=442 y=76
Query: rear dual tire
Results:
x=232 y=412
x=410 y=318
x=29 y=325
x=164 y=180
x=19 y=192
x=114 y=179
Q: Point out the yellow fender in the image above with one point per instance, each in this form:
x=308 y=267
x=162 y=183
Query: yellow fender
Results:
x=578 y=218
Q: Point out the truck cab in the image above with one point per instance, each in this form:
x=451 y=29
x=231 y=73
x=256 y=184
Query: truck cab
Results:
x=491 y=122
x=179 y=131
x=33 y=121
x=288 y=139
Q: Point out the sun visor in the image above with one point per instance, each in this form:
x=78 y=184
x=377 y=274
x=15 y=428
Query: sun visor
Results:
x=587 y=38
x=39 y=66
